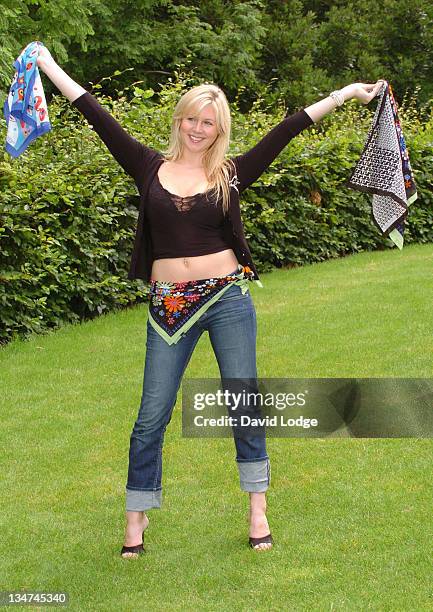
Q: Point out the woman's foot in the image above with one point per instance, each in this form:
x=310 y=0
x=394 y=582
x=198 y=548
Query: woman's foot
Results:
x=259 y=526
x=137 y=522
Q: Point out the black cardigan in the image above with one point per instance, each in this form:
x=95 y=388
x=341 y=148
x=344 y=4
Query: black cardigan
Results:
x=142 y=163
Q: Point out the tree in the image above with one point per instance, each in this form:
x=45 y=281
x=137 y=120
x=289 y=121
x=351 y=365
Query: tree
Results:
x=56 y=24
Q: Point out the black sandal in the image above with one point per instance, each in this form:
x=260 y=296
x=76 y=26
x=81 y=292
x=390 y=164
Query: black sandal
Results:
x=138 y=549
x=267 y=539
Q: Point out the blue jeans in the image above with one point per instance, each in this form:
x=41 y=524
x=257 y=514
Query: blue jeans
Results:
x=232 y=327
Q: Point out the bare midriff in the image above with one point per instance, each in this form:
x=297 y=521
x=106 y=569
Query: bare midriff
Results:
x=178 y=269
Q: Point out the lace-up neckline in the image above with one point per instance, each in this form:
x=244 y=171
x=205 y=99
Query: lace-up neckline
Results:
x=183 y=203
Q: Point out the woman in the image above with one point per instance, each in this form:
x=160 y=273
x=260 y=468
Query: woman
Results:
x=191 y=246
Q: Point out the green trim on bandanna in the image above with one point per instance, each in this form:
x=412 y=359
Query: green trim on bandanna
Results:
x=397 y=238
x=412 y=198
x=395 y=235
x=242 y=283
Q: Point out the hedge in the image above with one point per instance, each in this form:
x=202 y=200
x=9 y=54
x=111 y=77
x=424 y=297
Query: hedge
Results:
x=68 y=211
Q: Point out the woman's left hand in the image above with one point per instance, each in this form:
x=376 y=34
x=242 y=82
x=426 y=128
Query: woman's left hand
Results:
x=364 y=92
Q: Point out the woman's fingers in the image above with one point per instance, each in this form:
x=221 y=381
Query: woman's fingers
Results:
x=364 y=92
x=43 y=56
x=371 y=87
x=378 y=86
x=367 y=91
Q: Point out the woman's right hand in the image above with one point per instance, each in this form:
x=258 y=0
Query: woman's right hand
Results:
x=44 y=57
x=67 y=86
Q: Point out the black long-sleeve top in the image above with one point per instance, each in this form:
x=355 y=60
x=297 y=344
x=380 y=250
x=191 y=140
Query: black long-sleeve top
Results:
x=142 y=162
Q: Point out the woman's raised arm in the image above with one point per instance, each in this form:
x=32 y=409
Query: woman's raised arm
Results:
x=364 y=92
x=251 y=164
x=67 y=86
x=131 y=154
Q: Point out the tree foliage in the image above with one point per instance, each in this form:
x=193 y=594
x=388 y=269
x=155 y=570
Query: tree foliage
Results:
x=303 y=48
x=57 y=24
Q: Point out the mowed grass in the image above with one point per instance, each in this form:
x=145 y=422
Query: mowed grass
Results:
x=351 y=518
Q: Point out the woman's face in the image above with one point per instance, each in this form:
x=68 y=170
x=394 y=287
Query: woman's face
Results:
x=199 y=130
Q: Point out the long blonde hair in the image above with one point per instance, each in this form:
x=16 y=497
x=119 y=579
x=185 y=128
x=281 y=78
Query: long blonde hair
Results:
x=216 y=166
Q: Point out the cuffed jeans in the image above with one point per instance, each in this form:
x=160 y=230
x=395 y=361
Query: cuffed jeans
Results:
x=232 y=327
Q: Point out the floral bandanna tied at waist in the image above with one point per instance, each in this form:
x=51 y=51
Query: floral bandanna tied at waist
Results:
x=175 y=307
x=384 y=169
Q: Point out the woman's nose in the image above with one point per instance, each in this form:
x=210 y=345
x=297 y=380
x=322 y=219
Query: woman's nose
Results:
x=200 y=124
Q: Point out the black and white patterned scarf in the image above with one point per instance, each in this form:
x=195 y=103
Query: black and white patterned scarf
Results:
x=384 y=169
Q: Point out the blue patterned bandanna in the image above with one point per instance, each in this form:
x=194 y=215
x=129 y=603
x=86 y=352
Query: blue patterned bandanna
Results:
x=25 y=108
x=384 y=169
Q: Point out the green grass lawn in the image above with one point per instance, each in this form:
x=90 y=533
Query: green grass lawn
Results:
x=351 y=518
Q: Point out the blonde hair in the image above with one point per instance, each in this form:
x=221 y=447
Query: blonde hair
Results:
x=216 y=166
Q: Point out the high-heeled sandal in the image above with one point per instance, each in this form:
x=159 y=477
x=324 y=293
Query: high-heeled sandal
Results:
x=136 y=550
x=254 y=542
x=267 y=539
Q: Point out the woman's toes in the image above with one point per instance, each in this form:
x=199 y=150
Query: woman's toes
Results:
x=129 y=555
x=263 y=546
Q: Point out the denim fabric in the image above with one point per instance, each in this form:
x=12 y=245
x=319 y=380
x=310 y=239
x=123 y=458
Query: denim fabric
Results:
x=231 y=324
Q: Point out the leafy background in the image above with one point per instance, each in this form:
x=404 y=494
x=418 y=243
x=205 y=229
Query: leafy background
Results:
x=304 y=48
x=67 y=210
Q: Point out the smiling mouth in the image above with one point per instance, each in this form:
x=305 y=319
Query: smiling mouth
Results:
x=195 y=139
